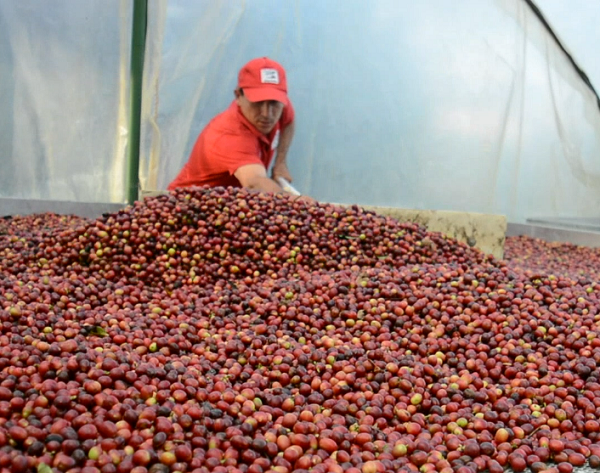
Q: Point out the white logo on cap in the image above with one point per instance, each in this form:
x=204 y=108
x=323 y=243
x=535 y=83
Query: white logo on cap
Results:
x=269 y=76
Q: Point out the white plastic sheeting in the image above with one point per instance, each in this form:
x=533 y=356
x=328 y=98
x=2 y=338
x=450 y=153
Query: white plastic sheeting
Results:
x=465 y=106
x=575 y=23
x=64 y=71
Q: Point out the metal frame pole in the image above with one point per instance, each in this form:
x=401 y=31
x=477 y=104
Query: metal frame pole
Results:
x=138 y=49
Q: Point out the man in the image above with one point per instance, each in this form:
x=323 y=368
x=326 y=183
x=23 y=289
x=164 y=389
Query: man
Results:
x=237 y=146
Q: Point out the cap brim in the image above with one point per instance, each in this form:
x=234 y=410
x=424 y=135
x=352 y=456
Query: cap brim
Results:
x=260 y=94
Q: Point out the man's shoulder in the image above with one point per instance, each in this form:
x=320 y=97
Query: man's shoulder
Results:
x=228 y=126
x=227 y=121
x=226 y=134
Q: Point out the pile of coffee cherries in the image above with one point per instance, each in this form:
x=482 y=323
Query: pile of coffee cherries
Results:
x=218 y=330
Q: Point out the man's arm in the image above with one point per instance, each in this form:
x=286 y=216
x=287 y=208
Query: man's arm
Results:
x=254 y=177
x=285 y=140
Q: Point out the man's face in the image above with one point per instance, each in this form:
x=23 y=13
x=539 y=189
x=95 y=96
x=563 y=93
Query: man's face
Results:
x=262 y=115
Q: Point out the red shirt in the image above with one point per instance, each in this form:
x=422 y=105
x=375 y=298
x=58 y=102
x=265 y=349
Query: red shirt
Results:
x=227 y=143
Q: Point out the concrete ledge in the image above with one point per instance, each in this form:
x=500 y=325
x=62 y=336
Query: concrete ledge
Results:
x=550 y=233
x=484 y=231
x=93 y=210
x=581 y=224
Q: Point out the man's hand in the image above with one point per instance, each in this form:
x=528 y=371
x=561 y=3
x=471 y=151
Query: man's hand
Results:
x=254 y=177
x=280 y=169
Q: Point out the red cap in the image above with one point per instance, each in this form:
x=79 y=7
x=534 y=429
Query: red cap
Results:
x=263 y=79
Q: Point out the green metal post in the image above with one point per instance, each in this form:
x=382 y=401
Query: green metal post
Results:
x=138 y=49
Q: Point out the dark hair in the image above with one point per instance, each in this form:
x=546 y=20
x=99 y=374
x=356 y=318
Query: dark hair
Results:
x=241 y=91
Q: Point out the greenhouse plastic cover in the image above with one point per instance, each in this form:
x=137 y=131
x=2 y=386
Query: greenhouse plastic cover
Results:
x=469 y=105
x=64 y=71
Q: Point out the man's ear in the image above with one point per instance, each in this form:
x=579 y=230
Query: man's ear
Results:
x=239 y=94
